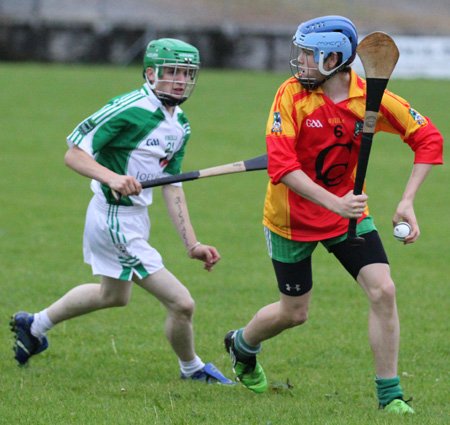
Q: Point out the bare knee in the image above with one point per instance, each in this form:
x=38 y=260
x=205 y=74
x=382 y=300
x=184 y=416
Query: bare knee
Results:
x=183 y=308
x=293 y=311
x=115 y=299
x=383 y=293
x=299 y=318
x=114 y=292
x=376 y=281
x=295 y=318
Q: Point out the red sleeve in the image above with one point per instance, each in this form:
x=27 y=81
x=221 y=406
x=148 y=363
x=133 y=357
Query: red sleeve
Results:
x=282 y=157
x=427 y=144
x=282 y=130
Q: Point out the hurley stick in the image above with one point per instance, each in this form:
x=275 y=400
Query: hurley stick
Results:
x=253 y=164
x=379 y=55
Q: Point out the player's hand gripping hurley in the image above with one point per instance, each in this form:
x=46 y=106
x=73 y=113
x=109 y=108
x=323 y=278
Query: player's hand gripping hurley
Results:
x=379 y=55
x=253 y=164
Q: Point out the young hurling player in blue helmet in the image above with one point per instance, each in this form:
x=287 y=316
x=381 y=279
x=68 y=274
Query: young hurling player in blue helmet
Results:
x=313 y=138
x=137 y=136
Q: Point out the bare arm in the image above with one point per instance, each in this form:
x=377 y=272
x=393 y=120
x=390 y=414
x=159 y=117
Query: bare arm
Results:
x=176 y=206
x=405 y=209
x=81 y=162
x=349 y=206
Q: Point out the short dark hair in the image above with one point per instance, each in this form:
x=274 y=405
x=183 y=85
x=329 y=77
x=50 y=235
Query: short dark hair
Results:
x=346 y=68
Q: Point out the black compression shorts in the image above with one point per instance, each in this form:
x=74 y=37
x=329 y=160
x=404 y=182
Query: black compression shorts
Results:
x=295 y=279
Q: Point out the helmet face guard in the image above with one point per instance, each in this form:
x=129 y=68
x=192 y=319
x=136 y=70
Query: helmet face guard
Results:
x=168 y=95
x=169 y=59
x=323 y=36
x=302 y=73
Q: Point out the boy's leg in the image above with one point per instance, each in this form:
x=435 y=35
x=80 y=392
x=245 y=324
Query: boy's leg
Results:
x=274 y=318
x=30 y=329
x=244 y=344
x=294 y=283
x=384 y=328
x=90 y=297
x=384 y=335
x=180 y=310
x=369 y=266
x=179 y=325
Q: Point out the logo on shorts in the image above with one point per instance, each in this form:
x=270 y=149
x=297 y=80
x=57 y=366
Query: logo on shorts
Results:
x=122 y=248
x=296 y=288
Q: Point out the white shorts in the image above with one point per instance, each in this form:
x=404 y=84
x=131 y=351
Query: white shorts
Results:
x=115 y=241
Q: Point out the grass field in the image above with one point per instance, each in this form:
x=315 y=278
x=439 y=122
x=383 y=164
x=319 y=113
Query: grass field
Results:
x=115 y=366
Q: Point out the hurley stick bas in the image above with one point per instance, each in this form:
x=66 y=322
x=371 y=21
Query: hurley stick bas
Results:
x=379 y=55
x=253 y=164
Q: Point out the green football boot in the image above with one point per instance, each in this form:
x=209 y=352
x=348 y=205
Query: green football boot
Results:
x=398 y=405
x=249 y=372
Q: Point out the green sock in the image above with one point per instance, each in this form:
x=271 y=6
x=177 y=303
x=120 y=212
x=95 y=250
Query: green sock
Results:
x=244 y=350
x=388 y=389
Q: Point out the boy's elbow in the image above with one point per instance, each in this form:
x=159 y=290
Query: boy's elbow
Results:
x=70 y=156
x=67 y=158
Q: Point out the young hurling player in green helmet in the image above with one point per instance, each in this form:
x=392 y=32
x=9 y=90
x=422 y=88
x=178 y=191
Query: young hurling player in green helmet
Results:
x=313 y=138
x=138 y=136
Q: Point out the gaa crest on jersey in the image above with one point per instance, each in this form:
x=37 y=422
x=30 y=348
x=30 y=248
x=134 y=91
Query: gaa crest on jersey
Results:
x=419 y=119
x=86 y=126
x=152 y=142
x=276 y=126
x=358 y=129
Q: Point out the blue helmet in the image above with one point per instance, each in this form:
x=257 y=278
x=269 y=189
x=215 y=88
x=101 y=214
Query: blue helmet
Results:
x=323 y=36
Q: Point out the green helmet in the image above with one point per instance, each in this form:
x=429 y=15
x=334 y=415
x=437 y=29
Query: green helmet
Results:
x=169 y=52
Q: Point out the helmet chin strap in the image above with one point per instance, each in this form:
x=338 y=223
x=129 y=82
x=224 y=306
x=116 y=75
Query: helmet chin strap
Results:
x=310 y=84
x=169 y=101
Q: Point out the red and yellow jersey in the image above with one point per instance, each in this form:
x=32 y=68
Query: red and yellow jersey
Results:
x=307 y=131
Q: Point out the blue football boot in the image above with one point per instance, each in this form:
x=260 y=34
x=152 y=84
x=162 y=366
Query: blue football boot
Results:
x=26 y=345
x=210 y=375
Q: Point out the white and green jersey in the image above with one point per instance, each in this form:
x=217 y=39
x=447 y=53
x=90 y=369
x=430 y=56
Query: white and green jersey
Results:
x=134 y=135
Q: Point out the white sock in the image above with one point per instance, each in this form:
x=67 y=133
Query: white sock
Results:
x=41 y=324
x=189 y=368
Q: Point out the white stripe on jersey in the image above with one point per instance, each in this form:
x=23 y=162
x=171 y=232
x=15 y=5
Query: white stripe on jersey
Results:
x=118 y=104
x=107 y=112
